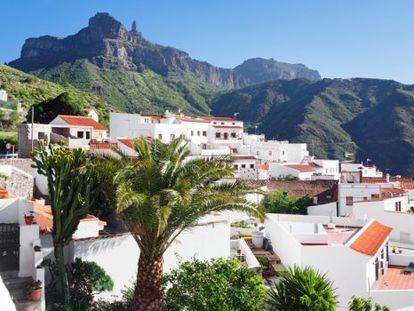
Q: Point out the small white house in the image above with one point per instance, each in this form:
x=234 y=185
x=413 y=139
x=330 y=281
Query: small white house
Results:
x=99 y=132
x=3 y=96
x=356 y=259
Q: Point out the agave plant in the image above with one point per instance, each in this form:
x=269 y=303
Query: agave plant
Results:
x=165 y=192
x=302 y=289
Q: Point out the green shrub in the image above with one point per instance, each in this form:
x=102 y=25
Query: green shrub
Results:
x=214 y=285
x=278 y=202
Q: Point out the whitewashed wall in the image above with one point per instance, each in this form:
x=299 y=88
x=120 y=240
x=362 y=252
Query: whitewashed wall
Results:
x=284 y=244
x=119 y=255
x=400 y=222
x=395 y=299
x=328 y=209
x=6 y=301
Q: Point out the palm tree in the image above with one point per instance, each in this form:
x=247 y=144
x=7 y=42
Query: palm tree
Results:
x=163 y=193
x=302 y=289
x=70 y=185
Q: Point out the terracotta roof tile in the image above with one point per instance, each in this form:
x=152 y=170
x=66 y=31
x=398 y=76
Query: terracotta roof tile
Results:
x=83 y=121
x=303 y=168
x=371 y=238
x=219 y=119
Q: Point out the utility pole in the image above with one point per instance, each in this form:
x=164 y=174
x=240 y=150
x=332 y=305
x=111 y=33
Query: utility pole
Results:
x=32 y=127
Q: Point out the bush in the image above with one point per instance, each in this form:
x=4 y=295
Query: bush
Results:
x=302 y=289
x=86 y=278
x=215 y=285
x=278 y=202
x=365 y=304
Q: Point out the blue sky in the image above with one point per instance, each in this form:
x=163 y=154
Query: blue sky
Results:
x=352 y=38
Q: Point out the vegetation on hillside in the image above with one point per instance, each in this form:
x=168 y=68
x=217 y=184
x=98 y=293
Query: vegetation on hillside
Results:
x=370 y=118
x=29 y=89
x=145 y=91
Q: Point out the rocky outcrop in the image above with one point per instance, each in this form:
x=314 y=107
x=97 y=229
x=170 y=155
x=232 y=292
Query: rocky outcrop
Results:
x=108 y=44
x=256 y=70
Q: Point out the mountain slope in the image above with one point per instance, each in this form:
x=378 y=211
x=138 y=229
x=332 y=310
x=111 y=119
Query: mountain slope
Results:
x=29 y=89
x=256 y=70
x=133 y=74
x=369 y=117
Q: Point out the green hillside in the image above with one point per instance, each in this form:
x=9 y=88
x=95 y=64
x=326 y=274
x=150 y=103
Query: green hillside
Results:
x=29 y=89
x=134 y=91
x=368 y=117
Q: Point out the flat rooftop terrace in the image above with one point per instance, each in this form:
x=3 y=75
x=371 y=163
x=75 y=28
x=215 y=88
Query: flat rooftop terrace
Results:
x=395 y=278
x=340 y=235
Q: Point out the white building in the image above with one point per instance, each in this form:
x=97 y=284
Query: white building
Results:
x=354 y=258
x=99 y=131
x=273 y=150
x=3 y=96
x=353 y=172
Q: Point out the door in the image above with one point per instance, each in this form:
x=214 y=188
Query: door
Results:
x=9 y=247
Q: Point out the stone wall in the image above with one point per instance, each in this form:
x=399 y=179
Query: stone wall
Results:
x=20 y=184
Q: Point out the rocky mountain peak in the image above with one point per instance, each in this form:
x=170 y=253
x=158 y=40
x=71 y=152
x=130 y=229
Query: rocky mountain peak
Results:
x=104 y=26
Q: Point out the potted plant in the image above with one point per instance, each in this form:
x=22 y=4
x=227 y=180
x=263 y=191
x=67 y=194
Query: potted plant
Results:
x=35 y=290
x=29 y=218
x=400 y=251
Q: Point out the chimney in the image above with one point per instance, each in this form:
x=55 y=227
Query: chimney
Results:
x=387 y=177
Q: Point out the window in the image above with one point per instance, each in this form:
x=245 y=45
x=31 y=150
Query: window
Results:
x=214 y=122
x=234 y=150
x=41 y=136
x=222 y=123
x=192 y=133
x=198 y=133
x=283 y=152
x=398 y=206
x=88 y=135
x=233 y=135
x=218 y=135
x=251 y=165
x=270 y=152
x=349 y=201
x=80 y=134
x=236 y=166
x=204 y=133
x=159 y=136
x=234 y=123
x=243 y=165
x=226 y=136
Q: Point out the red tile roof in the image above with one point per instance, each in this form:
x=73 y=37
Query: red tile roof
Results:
x=228 y=126
x=262 y=167
x=392 y=190
x=405 y=183
x=188 y=119
x=244 y=158
x=128 y=141
x=303 y=168
x=371 y=238
x=102 y=145
x=218 y=118
x=83 y=121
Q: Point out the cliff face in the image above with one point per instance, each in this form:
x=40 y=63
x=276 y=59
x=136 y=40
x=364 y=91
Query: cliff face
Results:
x=105 y=42
x=108 y=44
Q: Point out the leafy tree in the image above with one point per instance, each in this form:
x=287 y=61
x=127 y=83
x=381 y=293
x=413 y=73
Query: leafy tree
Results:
x=217 y=285
x=302 y=289
x=365 y=304
x=47 y=110
x=86 y=278
x=70 y=184
x=163 y=193
x=278 y=202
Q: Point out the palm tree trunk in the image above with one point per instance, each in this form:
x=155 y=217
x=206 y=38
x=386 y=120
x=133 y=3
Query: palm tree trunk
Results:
x=149 y=292
x=63 y=284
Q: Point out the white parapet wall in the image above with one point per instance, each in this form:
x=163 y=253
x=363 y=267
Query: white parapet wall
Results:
x=119 y=254
x=6 y=302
